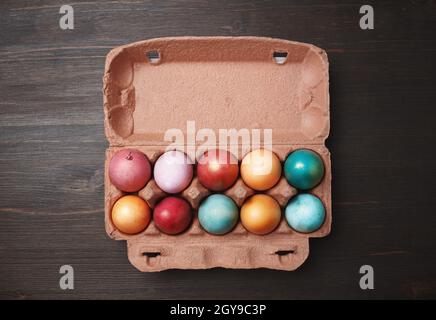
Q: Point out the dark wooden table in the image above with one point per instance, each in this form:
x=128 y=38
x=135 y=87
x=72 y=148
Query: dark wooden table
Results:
x=382 y=141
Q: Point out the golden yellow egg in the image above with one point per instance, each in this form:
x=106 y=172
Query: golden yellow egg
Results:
x=260 y=214
x=131 y=214
x=261 y=169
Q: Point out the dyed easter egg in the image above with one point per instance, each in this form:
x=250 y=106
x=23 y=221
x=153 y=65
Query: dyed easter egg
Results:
x=173 y=171
x=305 y=213
x=218 y=214
x=217 y=169
x=260 y=214
x=131 y=214
x=172 y=215
x=129 y=170
x=304 y=169
x=261 y=169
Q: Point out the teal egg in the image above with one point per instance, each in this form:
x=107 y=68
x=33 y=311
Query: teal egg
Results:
x=304 y=169
x=218 y=214
x=305 y=213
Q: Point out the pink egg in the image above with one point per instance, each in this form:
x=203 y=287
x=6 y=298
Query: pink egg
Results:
x=173 y=171
x=129 y=170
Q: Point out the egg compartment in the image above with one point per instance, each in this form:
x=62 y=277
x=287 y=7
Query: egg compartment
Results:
x=153 y=250
x=145 y=93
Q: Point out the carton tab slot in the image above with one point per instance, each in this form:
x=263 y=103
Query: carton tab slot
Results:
x=153 y=56
x=284 y=252
x=280 y=57
x=151 y=254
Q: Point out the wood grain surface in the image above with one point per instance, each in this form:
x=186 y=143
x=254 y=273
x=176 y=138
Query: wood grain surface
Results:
x=382 y=141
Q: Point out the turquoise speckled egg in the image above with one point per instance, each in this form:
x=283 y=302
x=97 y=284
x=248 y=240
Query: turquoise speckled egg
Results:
x=305 y=213
x=218 y=214
x=304 y=169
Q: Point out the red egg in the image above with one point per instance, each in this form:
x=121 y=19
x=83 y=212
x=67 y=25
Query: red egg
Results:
x=129 y=170
x=217 y=169
x=172 y=215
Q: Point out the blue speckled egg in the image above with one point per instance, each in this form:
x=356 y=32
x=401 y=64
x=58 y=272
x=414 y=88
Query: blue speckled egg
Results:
x=304 y=169
x=305 y=213
x=218 y=214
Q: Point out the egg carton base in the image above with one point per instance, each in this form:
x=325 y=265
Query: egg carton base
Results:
x=251 y=252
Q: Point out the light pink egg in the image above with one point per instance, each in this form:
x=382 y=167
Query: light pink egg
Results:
x=173 y=171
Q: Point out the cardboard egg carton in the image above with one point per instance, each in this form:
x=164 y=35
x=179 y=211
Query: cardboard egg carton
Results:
x=219 y=82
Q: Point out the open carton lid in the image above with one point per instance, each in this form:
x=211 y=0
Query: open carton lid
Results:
x=220 y=83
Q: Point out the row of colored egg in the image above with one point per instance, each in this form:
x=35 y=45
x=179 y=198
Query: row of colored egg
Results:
x=218 y=214
x=217 y=170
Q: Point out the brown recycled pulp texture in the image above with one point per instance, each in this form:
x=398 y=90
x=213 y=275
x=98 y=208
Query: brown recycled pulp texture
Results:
x=220 y=82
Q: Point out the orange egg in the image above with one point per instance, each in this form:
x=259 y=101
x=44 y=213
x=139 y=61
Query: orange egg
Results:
x=261 y=169
x=131 y=214
x=260 y=214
